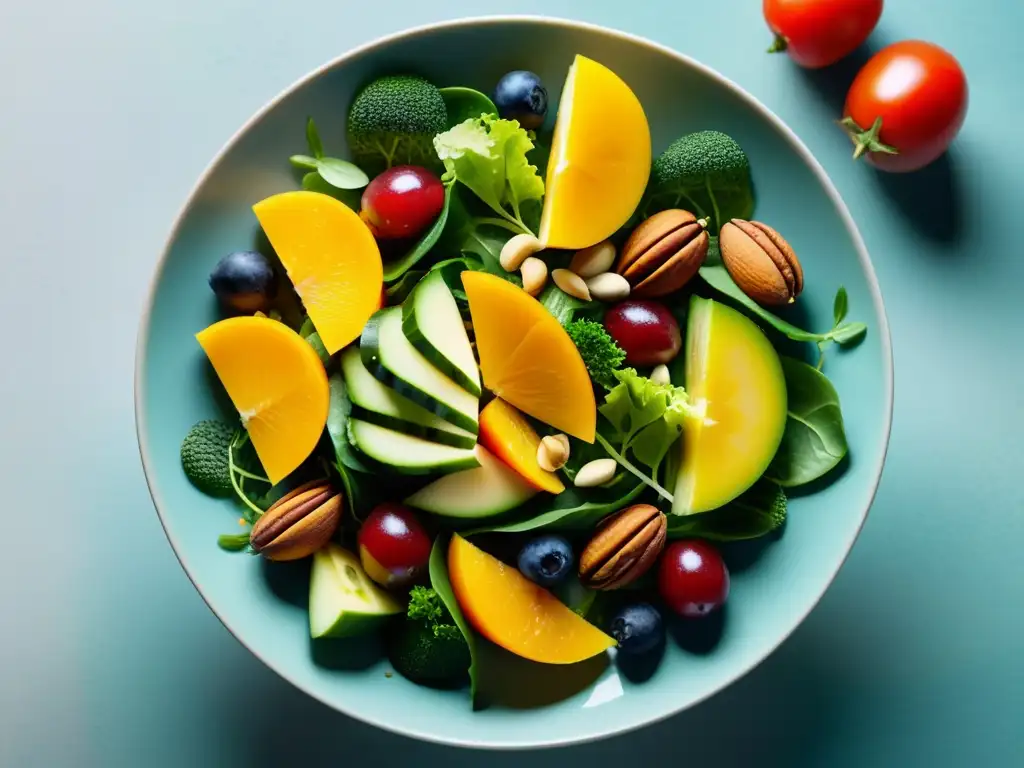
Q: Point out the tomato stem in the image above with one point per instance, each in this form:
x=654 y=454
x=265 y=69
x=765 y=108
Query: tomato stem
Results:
x=866 y=141
x=779 y=44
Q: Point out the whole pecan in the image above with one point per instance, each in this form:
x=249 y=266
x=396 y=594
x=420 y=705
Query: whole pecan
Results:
x=761 y=262
x=623 y=548
x=299 y=523
x=663 y=253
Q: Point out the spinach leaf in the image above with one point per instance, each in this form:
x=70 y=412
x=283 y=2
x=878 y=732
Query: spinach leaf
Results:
x=759 y=511
x=398 y=291
x=572 y=509
x=485 y=241
x=465 y=103
x=814 y=441
x=338 y=414
x=439 y=580
x=397 y=268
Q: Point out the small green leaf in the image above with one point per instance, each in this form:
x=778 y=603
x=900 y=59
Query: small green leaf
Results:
x=341 y=173
x=840 y=306
x=233 y=542
x=395 y=269
x=303 y=161
x=316 y=147
x=560 y=304
x=849 y=333
x=572 y=509
x=314 y=182
x=464 y=103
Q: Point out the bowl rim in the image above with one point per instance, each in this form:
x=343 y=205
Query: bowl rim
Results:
x=750 y=100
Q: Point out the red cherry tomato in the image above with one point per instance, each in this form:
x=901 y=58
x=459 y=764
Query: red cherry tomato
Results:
x=393 y=547
x=906 y=105
x=692 y=578
x=402 y=201
x=816 y=33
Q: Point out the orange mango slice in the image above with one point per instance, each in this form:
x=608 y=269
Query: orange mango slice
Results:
x=278 y=384
x=600 y=158
x=510 y=437
x=516 y=614
x=331 y=258
x=526 y=357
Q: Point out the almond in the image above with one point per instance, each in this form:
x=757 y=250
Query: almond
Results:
x=664 y=253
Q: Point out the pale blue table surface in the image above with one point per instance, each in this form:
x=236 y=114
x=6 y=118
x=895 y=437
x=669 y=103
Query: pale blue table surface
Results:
x=108 y=657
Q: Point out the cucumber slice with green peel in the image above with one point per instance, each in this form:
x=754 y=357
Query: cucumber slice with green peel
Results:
x=406 y=454
x=343 y=601
x=373 y=402
x=485 y=491
x=432 y=323
x=388 y=355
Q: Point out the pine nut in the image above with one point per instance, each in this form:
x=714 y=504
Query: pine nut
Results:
x=660 y=375
x=594 y=260
x=535 y=275
x=516 y=251
x=571 y=283
x=608 y=286
x=553 y=452
x=594 y=473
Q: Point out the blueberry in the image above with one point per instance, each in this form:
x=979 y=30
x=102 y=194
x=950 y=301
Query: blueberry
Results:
x=546 y=560
x=638 y=628
x=521 y=96
x=244 y=281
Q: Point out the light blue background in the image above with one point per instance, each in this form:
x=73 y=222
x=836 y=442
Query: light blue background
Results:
x=108 y=657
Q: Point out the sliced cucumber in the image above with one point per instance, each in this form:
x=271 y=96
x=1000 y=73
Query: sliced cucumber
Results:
x=407 y=454
x=485 y=491
x=373 y=402
x=432 y=323
x=342 y=600
x=396 y=363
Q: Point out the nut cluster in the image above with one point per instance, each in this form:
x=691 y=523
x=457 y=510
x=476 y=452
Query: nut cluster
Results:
x=624 y=547
x=663 y=253
x=588 y=276
x=299 y=523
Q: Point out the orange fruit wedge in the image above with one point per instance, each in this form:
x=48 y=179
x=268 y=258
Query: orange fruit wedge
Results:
x=516 y=614
x=527 y=358
x=510 y=437
x=276 y=382
x=331 y=258
x=735 y=379
x=600 y=158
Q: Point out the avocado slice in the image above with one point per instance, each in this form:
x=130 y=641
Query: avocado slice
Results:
x=343 y=601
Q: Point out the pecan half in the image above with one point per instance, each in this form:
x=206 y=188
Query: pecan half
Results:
x=664 y=253
x=298 y=523
x=623 y=548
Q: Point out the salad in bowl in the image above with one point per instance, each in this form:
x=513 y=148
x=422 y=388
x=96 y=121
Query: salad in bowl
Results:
x=509 y=380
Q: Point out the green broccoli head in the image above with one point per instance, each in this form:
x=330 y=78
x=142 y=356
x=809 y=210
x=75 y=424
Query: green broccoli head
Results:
x=706 y=172
x=393 y=120
x=204 y=457
x=428 y=648
x=601 y=355
x=778 y=509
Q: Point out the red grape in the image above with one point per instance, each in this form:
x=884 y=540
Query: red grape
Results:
x=693 y=578
x=393 y=547
x=646 y=331
x=402 y=201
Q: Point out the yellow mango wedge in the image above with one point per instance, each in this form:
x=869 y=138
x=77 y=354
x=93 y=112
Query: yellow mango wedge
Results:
x=600 y=158
x=278 y=384
x=331 y=258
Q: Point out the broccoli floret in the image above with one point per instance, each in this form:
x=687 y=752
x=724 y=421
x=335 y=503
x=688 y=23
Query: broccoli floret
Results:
x=204 y=457
x=706 y=172
x=428 y=648
x=600 y=353
x=393 y=120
